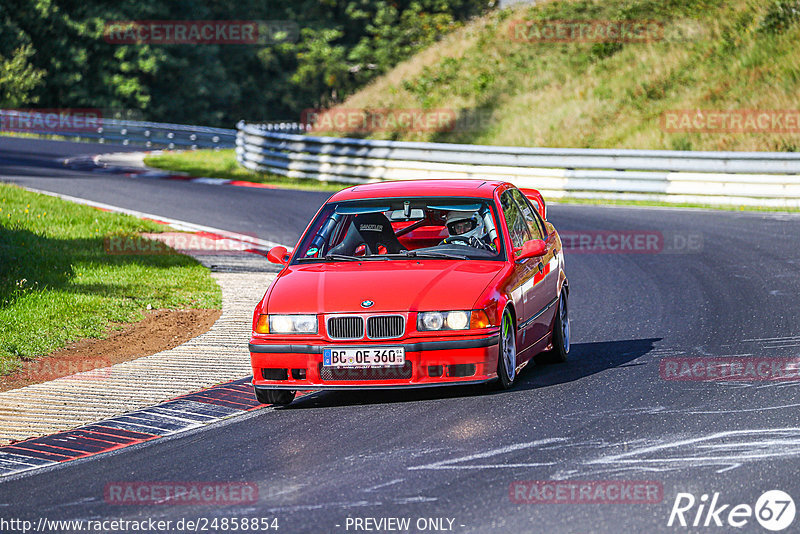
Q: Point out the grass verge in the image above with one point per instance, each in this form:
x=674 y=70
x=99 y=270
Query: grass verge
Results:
x=223 y=164
x=513 y=88
x=58 y=284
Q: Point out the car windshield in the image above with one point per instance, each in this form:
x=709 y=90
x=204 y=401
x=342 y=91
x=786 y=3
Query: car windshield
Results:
x=403 y=228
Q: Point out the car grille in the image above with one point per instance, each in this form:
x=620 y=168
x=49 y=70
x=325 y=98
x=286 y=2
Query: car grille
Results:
x=349 y=327
x=365 y=373
x=385 y=326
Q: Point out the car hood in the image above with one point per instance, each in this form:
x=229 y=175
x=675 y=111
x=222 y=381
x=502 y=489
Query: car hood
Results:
x=390 y=285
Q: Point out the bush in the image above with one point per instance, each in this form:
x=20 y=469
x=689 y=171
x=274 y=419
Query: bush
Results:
x=780 y=16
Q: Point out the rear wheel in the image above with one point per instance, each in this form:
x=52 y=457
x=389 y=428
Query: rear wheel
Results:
x=561 y=335
x=507 y=351
x=280 y=397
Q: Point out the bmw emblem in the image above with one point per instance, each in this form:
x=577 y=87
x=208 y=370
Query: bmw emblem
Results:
x=367 y=304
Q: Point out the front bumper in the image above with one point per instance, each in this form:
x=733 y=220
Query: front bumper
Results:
x=429 y=362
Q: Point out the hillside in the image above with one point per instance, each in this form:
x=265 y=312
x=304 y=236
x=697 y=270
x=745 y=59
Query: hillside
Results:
x=510 y=86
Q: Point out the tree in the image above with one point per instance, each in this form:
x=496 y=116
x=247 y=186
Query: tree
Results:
x=19 y=79
x=53 y=53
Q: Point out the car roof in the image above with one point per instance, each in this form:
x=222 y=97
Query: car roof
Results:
x=419 y=188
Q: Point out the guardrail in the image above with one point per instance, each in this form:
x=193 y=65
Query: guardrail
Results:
x=720 y=178
x=128 y=132
x=125 y=132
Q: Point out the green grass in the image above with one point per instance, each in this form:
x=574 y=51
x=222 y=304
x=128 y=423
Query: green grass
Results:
x=713 y=55
x=223 y=164
x=25 y=135
x=58 y=284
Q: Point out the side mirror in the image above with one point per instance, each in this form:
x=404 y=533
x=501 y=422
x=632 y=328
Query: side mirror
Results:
x=531 y=249
x=278 y=255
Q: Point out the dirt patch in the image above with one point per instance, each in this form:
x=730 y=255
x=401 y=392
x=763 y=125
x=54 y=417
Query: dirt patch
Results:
x=160 y=330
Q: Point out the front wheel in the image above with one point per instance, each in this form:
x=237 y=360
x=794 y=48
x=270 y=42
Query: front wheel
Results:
x=561 y=335
x=281 y=397
x=507 y=351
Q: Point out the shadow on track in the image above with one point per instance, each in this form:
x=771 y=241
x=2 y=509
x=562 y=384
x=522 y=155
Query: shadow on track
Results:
x=585 y=360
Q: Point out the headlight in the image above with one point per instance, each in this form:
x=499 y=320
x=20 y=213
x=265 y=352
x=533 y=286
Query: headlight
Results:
x=457 y=320
x=293 y=324
x=449 y=320
x=431 y=321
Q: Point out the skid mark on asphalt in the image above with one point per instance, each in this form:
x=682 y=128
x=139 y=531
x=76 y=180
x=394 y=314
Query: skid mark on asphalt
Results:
x=624 y=412
x=350 y=504
x=459 y=463
x=769 y=343
x=722 y=451
x=660 y=410
x=178 y=415
x=385 y=484
x=725 y=450
x=775 y=385
x=783 y=338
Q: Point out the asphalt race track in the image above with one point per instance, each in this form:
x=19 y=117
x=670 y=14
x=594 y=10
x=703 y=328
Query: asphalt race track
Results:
x=720 y=284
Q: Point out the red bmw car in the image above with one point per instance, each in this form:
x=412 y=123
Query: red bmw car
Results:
x=413 y=284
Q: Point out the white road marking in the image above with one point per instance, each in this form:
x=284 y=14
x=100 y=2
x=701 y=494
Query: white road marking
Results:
x=448 y=464
x=385 y=484
x=725 y=450
x=774 y=443
x=691 y=441
x=785 y=338
x=411 y=500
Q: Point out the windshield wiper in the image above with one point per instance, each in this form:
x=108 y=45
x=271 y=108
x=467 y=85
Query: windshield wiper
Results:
x=436 y=254
x=332 y=257
x=341 y=257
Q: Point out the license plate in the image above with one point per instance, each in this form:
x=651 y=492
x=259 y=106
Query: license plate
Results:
x=364 y=357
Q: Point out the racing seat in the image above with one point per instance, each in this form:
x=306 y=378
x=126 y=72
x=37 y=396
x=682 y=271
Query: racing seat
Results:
x=373 y=230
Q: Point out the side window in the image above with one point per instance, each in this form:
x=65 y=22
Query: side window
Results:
x=517 y=228
x=532 y=218
x=539 y=221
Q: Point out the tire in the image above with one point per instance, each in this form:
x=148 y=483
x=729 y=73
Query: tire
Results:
x=561 y=335
x=280 y=397
x=507 y=351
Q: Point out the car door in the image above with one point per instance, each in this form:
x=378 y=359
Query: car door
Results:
x=542 y=295
x=522 y=279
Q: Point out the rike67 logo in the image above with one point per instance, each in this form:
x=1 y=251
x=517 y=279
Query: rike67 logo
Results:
x=774 y=510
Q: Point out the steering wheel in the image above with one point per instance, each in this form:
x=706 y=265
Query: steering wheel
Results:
x=470 y=241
